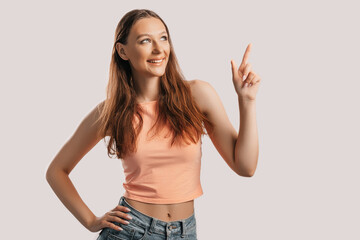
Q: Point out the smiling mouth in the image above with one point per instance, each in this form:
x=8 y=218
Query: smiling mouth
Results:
x=156 y=61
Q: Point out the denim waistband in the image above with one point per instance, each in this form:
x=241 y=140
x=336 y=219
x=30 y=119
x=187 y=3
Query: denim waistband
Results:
x=156 y=225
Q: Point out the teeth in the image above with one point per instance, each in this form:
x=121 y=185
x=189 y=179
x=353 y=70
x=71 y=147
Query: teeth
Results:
x=156 y=61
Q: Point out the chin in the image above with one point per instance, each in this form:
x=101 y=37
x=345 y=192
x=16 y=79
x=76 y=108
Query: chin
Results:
x=157 y=73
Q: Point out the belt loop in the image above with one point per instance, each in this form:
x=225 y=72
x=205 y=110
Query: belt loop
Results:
x=183 y=228
x=152 y=226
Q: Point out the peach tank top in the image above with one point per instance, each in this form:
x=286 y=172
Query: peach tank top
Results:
x=158 y=173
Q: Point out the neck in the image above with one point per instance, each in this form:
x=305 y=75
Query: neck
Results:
x=146 y=88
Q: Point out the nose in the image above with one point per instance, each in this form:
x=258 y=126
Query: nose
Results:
x=157 y=47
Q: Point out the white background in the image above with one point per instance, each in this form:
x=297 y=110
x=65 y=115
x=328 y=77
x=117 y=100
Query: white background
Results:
x=55 y=58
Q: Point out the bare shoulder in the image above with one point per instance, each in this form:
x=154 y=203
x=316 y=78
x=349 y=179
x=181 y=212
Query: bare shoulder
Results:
x=202 y=92
x=85 y=137
x=97 y=113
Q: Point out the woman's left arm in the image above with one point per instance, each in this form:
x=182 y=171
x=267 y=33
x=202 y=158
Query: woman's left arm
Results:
x=240 y=151
x=247 y=144
x=246 y=83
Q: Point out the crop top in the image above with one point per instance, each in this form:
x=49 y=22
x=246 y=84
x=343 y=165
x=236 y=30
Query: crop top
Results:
x=158 y=172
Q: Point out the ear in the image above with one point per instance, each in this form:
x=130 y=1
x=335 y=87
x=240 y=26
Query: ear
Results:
x=121 y=51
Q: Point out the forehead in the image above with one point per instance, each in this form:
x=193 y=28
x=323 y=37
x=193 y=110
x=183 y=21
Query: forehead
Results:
x=151 y=26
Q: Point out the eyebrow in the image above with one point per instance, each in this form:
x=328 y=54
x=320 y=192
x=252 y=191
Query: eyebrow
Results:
x=146 y=34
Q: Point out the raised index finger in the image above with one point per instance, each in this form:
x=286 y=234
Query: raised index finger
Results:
x=246 y=55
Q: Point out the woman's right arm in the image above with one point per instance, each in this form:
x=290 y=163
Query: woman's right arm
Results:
x=81 y=142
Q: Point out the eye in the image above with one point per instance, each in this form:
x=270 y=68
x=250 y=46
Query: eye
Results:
x=144 y=40
x=149 y=39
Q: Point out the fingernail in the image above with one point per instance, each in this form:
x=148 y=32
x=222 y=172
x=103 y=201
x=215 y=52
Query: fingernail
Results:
x=129 y=217
x=128 y=209
x=244 y=77
x=120 y=229
x=126 y=222
x=246 y=84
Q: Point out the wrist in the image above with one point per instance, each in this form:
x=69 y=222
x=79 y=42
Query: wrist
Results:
x=246 y=102
x=91 y=221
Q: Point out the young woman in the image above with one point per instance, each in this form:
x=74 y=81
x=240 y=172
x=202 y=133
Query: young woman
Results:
x=154 y=119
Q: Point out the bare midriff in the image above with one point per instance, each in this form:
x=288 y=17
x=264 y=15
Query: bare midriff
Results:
x=164 y=212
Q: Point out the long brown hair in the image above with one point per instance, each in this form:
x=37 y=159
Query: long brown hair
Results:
x=176 y=107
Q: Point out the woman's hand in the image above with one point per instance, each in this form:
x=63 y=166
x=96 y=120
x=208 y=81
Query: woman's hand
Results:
x=247 y=89
x=116 y=215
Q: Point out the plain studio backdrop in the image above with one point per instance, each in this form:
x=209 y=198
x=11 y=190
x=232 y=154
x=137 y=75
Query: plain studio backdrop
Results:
x=55 y=58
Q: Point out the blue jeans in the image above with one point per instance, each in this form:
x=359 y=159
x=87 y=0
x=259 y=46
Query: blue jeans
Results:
x=144 y=227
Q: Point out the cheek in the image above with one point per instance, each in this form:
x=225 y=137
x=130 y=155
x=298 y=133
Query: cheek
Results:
x=167 y=47
x=143 y=56
x=139 y=59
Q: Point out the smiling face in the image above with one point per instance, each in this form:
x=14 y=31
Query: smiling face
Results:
x=142 y=48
